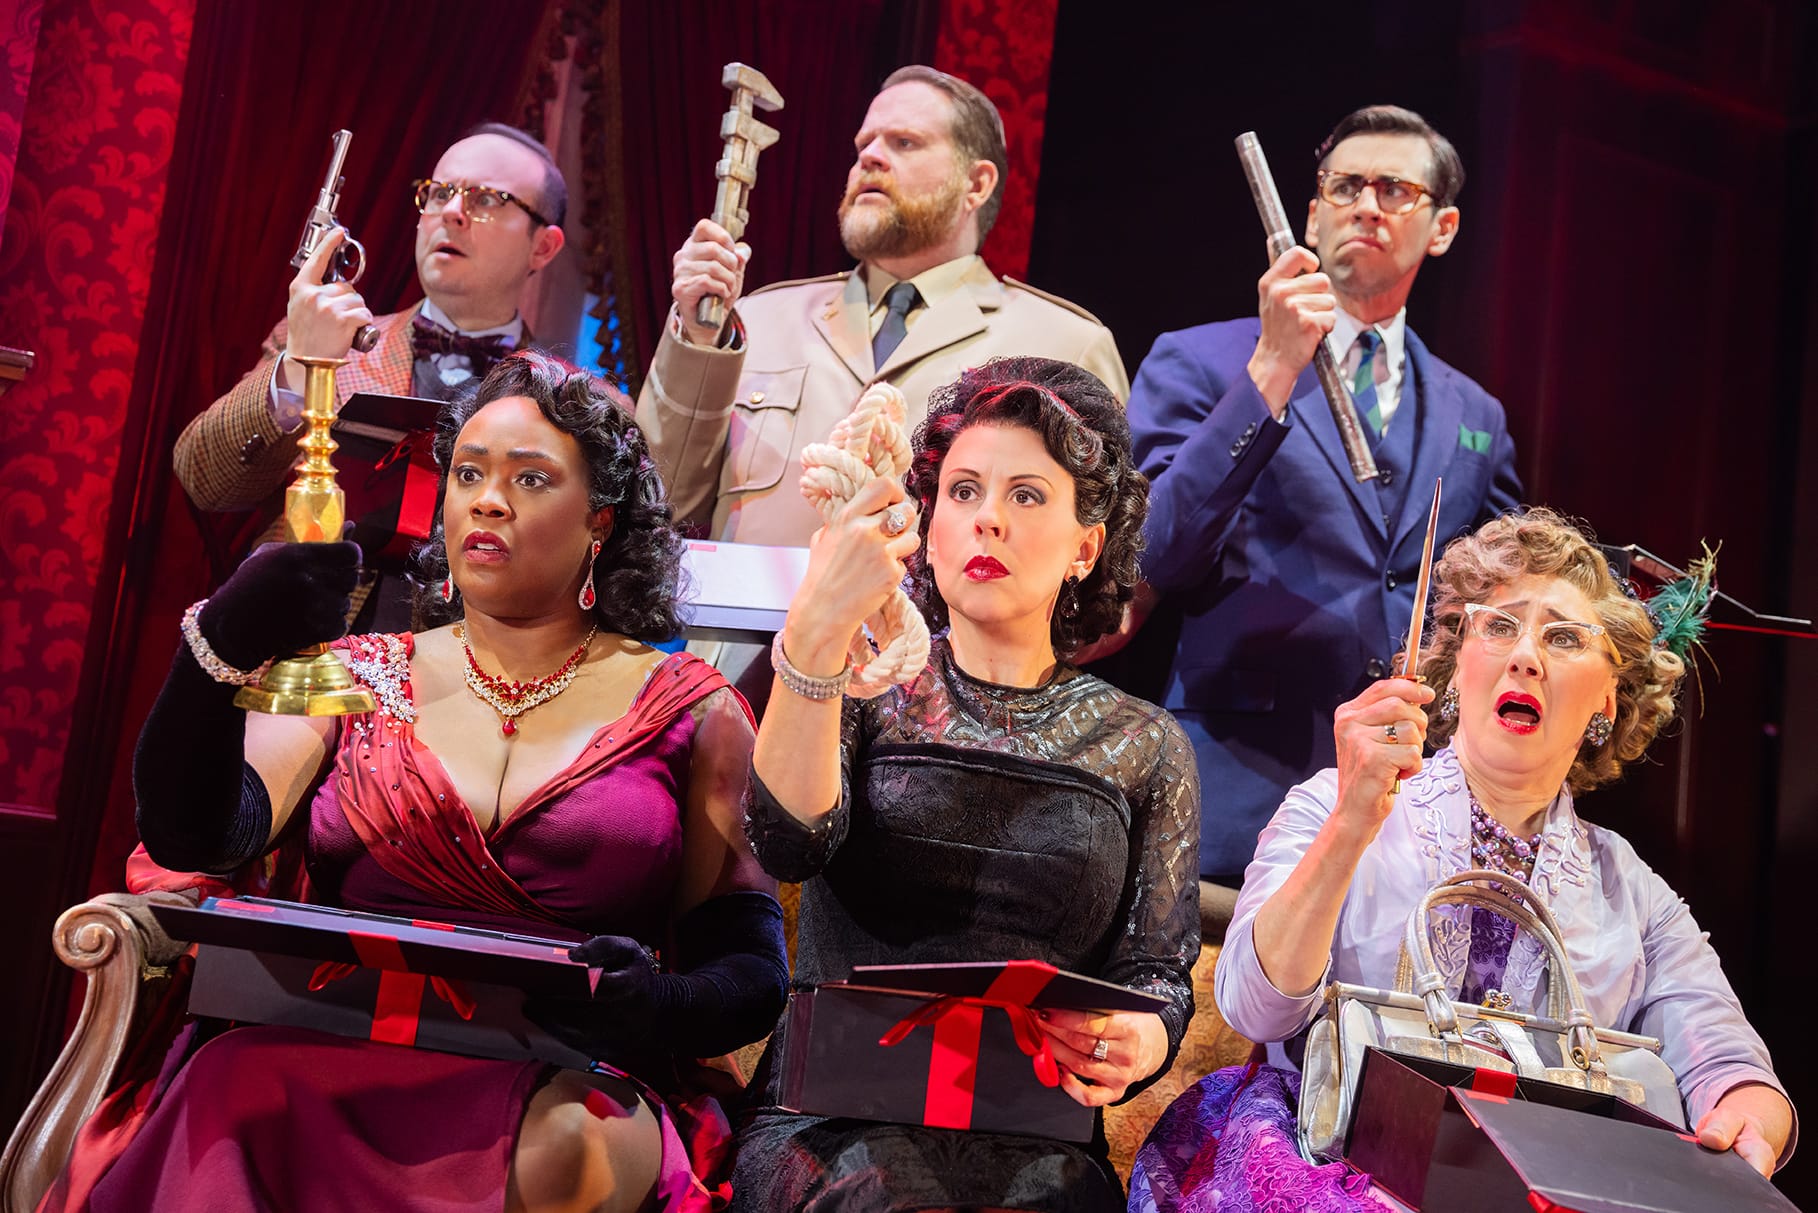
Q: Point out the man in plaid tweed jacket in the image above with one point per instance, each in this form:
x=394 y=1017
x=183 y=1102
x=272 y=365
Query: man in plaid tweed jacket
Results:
x=472 y=262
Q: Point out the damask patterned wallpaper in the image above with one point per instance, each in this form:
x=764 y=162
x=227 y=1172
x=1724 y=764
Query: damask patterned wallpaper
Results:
x=18 y=42
x=75 y=268
x=1004 y=47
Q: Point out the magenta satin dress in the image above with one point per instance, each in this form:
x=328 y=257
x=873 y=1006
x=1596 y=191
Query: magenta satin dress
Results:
x=270 y=1118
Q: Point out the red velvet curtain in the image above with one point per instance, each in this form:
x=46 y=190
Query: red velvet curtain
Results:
x=266 y=85
x=269 y=83
x=826 y=60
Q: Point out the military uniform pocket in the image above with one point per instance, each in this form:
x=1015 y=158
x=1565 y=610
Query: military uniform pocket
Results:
x=762 y=432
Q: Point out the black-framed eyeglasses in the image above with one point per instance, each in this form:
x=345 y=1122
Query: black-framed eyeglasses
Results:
x=1393 y=195
x=1565 y=639
x=480 y=202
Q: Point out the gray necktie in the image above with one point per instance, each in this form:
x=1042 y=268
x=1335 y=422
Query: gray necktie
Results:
x=899 y=301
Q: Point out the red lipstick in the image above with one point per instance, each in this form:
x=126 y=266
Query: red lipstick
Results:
x=1517 y=712
x=985 y=568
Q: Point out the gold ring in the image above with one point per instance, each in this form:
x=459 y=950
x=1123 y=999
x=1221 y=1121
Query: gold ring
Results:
x=1388 y=730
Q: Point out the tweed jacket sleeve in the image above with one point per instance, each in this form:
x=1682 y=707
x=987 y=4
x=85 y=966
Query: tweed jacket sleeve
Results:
x=232 y=455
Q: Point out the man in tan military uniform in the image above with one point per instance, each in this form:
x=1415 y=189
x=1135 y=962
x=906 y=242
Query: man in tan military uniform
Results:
x=728 y=412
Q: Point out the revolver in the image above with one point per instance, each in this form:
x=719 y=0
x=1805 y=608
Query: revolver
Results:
x=349 y=261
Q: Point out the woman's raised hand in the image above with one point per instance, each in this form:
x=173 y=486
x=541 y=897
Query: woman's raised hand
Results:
x=283 y=597
x=1380 y=736
x=854 y=563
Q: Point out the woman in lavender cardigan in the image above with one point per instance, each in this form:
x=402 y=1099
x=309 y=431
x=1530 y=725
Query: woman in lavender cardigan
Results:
x=1543 y=676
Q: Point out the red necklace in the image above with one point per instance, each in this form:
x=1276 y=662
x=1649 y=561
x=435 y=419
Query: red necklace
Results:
x=510 y=698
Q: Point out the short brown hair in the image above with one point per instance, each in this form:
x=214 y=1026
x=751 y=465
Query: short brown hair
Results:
x=1542 y=543
x=1448 y=169
x=977 y=130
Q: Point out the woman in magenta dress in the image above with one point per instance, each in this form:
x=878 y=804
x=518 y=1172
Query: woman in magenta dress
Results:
x=533 y=765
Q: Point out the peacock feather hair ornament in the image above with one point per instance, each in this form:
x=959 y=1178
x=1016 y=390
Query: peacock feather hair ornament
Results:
x=1680 y=607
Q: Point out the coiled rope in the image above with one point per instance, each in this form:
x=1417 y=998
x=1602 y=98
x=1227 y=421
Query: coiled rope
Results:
x=867 y=443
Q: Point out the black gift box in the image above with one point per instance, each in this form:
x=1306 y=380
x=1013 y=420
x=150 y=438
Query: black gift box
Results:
x=388 y=471
x=956 y=1063
x=376 y=977
x=1524 y=1146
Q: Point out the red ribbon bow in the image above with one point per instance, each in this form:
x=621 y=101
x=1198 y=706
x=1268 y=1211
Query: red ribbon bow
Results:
x=958 y=1021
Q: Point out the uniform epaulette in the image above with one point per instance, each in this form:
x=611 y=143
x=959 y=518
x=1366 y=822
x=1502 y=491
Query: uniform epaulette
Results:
x=1071 y=306
x=777 y=286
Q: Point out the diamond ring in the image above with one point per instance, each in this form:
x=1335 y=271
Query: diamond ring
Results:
x=896 y=521
x=1388 y=730
x=1100 y=1050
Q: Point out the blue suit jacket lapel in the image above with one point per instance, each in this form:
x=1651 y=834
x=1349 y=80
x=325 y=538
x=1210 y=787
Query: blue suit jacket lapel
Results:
x=1440 y=413
x=1310 y=410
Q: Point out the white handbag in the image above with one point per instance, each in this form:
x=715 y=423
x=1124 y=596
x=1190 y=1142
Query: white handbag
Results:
x=1419 y=1019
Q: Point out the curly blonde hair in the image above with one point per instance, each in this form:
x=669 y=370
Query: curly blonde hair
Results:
x=1540 y=542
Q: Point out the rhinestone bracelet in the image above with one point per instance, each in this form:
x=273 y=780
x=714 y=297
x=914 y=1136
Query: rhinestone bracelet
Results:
x=205 y=657
x=806 y=685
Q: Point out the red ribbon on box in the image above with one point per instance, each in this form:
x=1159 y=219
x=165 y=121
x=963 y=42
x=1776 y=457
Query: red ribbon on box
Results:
x=417 y=509
x=397 y=1008
x=1498 y=1084
x=958 y=1021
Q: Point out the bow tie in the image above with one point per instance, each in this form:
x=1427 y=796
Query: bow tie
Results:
x=429 y=339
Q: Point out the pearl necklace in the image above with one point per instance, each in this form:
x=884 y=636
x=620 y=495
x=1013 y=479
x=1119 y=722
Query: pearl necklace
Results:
x=1495 y=847
x=510 y=698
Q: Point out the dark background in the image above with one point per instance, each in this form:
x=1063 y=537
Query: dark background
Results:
x=1632 y=279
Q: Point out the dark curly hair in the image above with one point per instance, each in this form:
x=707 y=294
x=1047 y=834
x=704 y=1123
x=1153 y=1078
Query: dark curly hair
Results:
x=1083 y=427
x=637 y=575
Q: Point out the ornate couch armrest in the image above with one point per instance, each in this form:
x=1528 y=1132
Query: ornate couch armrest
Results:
x=115 y=940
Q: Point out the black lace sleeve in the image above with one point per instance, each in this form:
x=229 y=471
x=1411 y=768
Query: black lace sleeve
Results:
x=786 y=848
x=1160 y=938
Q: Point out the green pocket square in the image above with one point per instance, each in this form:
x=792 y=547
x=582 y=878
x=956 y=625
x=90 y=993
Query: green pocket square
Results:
x=1474 y=440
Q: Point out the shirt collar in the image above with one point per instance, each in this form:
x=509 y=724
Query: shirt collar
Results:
x=933 y=284
x=1394 y=333
x=513 y=328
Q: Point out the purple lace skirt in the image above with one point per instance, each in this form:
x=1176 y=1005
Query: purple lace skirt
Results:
x=1227 y=1144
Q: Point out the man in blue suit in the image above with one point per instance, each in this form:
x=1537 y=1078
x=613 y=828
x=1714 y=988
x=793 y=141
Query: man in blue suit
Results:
x=1295 y=582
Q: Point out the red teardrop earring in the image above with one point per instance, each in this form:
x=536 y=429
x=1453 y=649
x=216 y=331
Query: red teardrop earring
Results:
x=587 y=599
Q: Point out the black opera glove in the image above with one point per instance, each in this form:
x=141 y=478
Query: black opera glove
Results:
x=733 y=988
x=200 y=806
x=282 y=598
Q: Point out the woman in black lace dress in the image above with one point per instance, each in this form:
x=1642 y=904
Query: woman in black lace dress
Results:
x=1004 y=805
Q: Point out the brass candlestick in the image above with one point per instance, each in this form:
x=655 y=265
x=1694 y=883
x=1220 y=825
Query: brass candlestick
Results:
x=314 y=682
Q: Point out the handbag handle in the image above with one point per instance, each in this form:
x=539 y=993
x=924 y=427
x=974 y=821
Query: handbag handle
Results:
x=1479 y=889
x=1476 y=898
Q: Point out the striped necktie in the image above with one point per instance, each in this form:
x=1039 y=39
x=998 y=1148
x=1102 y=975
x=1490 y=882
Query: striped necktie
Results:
x=1363 y=382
